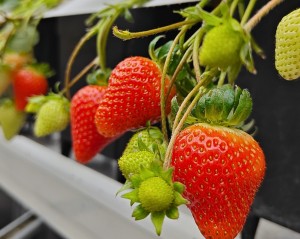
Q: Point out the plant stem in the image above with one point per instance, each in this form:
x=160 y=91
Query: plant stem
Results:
x=196 y=47
x=222 y=78
x=126 y=35
x=248 y=11
x=179 y=67
x=75 y=52
x=103 y=36
x=79 y=75
x=178 y=128
x=163 y=84
x=260 y=14
x=233 y=6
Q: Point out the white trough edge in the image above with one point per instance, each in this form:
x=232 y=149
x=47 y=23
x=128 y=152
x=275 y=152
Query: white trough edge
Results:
x=77 y=7
x=74 y=200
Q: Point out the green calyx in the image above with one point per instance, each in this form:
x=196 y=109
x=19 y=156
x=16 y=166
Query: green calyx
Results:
x=36 y=102
x=223 y=105
x=148 y=139
x=155 y=193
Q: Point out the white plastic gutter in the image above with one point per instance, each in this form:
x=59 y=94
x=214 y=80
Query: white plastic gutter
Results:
x=76 y=201
x=76 y=7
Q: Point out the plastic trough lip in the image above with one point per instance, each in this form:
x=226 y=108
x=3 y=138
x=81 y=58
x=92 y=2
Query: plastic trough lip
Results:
x=74 y=200
x=76 y=7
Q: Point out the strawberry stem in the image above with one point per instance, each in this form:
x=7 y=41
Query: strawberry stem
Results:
x=261 y=13
x=163 y=83
x=248 y=11
x=178 y=124
x=85 y=70
x=127 y=35
x=196 y=47
x=179 y=67
x=72 y=58
x=233 y=6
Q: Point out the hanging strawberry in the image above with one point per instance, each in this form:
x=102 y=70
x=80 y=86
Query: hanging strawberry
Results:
x=28 y=82
x=221 y=166
x=132 y=97
x=86 y=140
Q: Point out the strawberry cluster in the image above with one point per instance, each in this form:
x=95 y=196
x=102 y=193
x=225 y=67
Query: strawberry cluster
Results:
x=202 y=154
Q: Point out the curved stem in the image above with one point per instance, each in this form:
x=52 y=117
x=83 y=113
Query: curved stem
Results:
x=179 y=67
x=103 y=36
x=196 y=47
x=163 y=84
x=126 y=35
x=233 y=6
x=167 y=161
x=248 y=11
x=261 y=13
x=79 y=75
x=185 y=103
x=177 y=126
x=75 y=52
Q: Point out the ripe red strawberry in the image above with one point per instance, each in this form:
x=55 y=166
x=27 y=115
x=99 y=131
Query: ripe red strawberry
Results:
x=222 y=168
x=87 y=142
x=28 y=82
x=132 y=97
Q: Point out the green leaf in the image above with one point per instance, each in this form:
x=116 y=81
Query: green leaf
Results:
x=179 y=199
x=135 y=180
x=139 y=213
x=141 y=145
x=174 y=106
x=98 y=77
x=237 y=94
x=127 y=185
x=151 y=49
x=132 y=196
x=243 y=109
x=173 y=213
x=24 y=39
x=167 y=175
x=157 y=219
x=146 y=173
x=179 y=187
x=155 y=133
x=246 y=57
x=208 y=17
x=35 y=103
x=233 y=72
x=128 y=16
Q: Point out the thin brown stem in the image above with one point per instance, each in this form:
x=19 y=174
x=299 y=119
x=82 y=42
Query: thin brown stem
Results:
x=261 y=13
x=167 y=161
x=73 y=56
x=179 y=122
x=179 y=67
x=163 y=84
x=196 y=47
x=85 y=70
x=127 y=35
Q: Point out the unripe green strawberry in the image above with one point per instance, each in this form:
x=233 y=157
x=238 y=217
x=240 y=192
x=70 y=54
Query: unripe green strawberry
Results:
x=147 y=139
x=11 y=120
x=287 y=50
x=155 y=194
x=53 y=116
x=221 y=46
x=131 y=163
